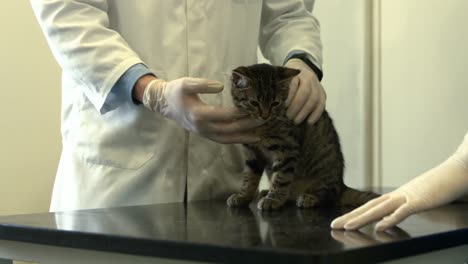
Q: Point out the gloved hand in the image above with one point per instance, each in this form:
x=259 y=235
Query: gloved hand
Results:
x=306 y=98
x=436 y=187
x=179 y=100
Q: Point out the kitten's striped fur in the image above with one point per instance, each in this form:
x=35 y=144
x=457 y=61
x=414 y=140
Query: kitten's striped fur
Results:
x=303 y=162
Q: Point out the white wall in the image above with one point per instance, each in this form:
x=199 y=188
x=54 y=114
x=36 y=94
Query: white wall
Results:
x=424 y=60
x=410 y=60
x=29 y=110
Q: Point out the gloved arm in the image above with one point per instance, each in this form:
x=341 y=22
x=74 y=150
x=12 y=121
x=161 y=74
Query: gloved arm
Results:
x=179 y=101
x=440 y=185
x=306 y=98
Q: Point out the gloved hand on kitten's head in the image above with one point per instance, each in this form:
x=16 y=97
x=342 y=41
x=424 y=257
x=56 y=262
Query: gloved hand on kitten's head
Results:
x=306 y=98
x=440 y=185
x=179 y=100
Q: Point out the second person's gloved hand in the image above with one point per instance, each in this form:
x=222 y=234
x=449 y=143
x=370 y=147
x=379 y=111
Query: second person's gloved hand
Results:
x=306 y=98
x=436 y=187
x=179 y=101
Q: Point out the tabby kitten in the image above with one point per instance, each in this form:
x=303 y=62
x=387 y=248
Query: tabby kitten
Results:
x=304 y=163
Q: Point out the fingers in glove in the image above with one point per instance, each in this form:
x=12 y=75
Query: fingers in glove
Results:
x=318 y=111
x=314 y=106
x=339 y=222
x=210 y=113
x=300 y=99
x=237 y=138
x=399 y=215
x=293 y=86
x=198 y=85
x=232 y=127
x=374 y=213
x=307 y=109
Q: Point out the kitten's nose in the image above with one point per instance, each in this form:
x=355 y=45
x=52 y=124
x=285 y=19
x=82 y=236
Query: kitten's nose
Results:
x=265 y=115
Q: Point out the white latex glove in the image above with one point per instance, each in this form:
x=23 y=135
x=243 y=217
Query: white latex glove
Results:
x=306 y=98
x=179 y=100
x=438 y=186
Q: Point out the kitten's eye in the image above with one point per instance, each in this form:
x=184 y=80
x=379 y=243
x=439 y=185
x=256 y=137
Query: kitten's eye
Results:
x=254 y=103
x=275 y=104
x=241 y=84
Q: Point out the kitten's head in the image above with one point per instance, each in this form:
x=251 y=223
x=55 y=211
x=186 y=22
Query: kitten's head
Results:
x=261 y=89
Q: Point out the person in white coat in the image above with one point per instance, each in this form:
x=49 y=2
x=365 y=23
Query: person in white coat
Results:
x=143 y=105
x=438 y=186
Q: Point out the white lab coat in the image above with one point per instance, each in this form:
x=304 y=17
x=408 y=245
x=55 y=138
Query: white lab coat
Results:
x=116 y=153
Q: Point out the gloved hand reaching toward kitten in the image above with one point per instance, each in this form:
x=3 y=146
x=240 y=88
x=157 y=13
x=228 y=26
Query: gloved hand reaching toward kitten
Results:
x=179 y=100
x=440 y=185
x=306 y=98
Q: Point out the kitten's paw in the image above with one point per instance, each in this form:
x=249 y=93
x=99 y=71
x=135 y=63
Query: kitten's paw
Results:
x=269 y=203
x=306 y=201
x=238 y=199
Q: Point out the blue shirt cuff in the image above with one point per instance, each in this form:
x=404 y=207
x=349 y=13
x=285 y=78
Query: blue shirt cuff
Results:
x=121 y=92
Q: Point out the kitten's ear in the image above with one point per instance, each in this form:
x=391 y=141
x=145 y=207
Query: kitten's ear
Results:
x=285 y=76
x=239 y=80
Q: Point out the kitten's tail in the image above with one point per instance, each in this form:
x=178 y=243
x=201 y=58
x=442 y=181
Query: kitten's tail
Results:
x=353 y=197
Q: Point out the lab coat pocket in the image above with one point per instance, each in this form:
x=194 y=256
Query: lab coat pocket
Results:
x=123 y=138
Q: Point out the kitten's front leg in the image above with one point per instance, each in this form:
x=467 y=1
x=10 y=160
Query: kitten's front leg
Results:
x=283 y=170
x=255 y=165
